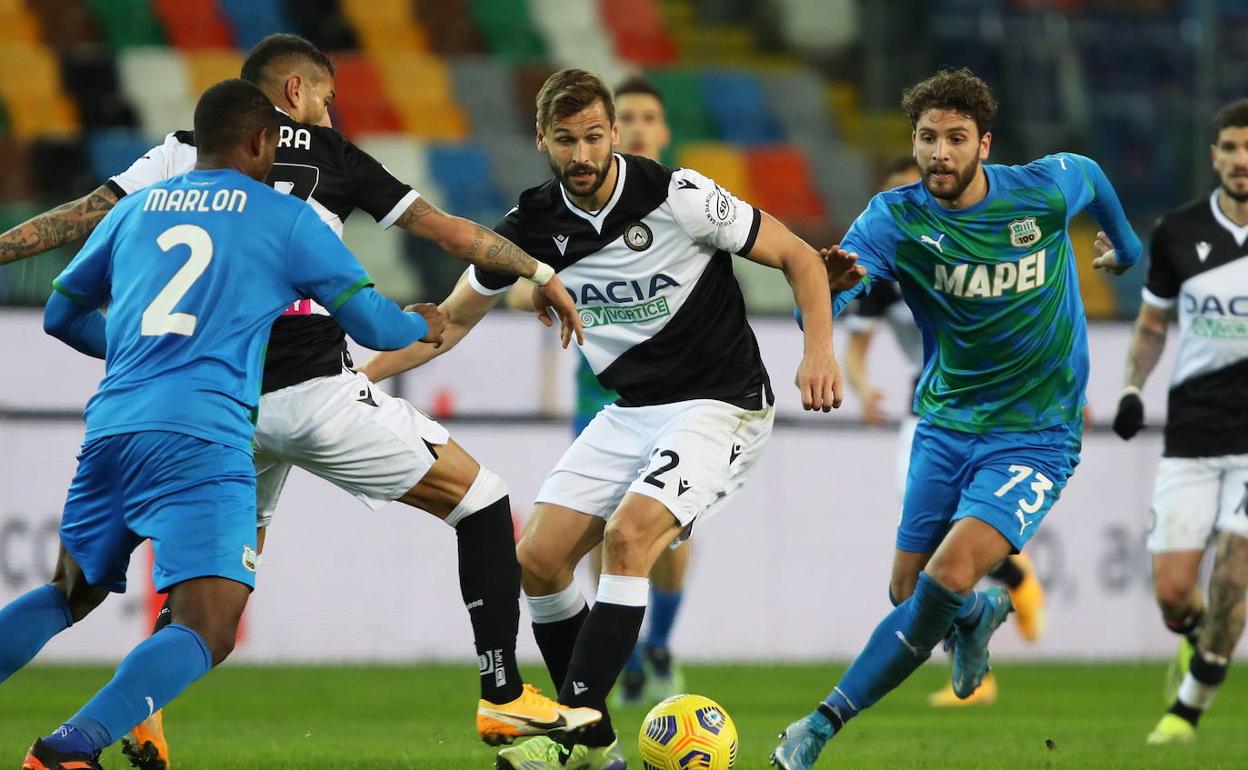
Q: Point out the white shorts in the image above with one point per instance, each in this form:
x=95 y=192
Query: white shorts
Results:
x=691 y=456
x=347 y=431
x=1194 y=497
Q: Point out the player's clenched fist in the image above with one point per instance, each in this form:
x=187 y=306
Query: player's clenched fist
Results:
x=435 y=319
x=1130 y=417
x=819 y=380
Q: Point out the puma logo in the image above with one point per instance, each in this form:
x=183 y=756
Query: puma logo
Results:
x=1023 y=523
x=928 y=239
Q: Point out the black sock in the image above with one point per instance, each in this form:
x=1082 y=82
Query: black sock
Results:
x=602 y=649
x=164 y=618
x=1189 y=626
x=1008 y=573
x=557 y=641
x=1184 y=711
x=489 y=579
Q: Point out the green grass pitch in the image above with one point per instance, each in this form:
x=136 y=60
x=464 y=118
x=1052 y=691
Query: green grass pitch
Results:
x=420 y=717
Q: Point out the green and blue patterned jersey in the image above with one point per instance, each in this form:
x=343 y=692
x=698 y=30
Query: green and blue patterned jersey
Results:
x=994 y=290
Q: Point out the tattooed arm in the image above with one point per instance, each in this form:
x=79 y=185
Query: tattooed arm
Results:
x=466 y=240
x=488 y=250
x=1147 y=342
x=66 y=225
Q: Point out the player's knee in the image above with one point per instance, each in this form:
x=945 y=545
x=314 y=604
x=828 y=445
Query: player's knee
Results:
x=219 y=637
x=80 y=596
x=1175 y=595
x=960 y=578
x=627 y=543
x=540 y=570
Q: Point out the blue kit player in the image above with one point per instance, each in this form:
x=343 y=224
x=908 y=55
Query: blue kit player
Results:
x=983 y=258
x=194 y=271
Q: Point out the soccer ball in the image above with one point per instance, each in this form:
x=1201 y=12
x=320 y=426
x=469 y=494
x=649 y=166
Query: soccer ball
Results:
x=688 y=732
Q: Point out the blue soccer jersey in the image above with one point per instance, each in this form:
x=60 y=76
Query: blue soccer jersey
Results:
x=994 y=290
x=194 y=271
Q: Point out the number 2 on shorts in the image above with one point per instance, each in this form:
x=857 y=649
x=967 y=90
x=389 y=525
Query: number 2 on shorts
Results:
x=673 y=460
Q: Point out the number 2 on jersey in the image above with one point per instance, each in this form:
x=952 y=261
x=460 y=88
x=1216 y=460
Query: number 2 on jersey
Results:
x=159 y=317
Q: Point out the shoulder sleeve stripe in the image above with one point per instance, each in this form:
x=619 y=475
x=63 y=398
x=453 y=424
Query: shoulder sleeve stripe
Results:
x=117 y=189
x=1161 y=303
x=350 y=292
x=407 y=200
x=60 y=288
x=753 y=236
x=481 y=288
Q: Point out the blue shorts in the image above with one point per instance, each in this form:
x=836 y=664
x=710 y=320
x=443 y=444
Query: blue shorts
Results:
x=194 y=499
x=1008 y=480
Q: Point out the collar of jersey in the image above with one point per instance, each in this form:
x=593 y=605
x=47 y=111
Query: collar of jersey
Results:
x=1237 y=232
x=597 y=218
x=989 y=174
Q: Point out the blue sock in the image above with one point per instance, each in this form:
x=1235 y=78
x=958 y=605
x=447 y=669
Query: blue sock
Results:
x=26 y=625
x=972 y=610
x=899 y=644
x=663 y=608
x=154 y=673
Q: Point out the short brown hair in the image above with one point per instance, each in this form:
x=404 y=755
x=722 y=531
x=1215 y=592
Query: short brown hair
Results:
x=638 y=84
x=1233 y=115
x=960 y=90
x=569 y=91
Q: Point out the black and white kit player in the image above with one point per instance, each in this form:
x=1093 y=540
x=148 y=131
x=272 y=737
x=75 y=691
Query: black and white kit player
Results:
x=315 y=412
x=647 y=253
x=1198 y=270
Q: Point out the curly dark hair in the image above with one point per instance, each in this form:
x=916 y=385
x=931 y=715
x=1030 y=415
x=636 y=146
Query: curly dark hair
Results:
x=960 y=90
x=1233 y=115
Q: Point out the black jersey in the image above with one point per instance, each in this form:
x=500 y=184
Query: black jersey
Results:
x=335 y=177
x=651 y=274
x=1199 y=262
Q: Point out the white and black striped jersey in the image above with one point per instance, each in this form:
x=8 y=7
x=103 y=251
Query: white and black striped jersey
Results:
x=1199 y=263
x=335 y=177
x=651 y=273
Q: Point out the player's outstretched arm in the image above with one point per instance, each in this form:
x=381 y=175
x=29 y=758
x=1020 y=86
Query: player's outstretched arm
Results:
x=66 y=225
x=462 y=310
x=376 y=322
x=1083 y=181
x=488 y=250
x=1147 y=342
x=818 y=375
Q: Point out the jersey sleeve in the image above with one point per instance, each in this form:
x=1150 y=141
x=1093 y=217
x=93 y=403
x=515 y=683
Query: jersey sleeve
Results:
x=373 y=188
x=1084 y=185
x=710 y=214
x=176 y=155
x=490 y=282
x=1161 y=287
x=87 y=279
x=873 y=237
x=319 y=265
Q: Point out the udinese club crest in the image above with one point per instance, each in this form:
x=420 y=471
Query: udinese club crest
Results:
x=638 y=236
x=1024 y=233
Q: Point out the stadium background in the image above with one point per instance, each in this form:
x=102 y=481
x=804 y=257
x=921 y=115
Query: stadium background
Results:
x=791 y=104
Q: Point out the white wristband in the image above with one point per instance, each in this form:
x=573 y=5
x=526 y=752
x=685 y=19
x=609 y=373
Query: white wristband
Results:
x=542 y=275
x=1130 y=390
